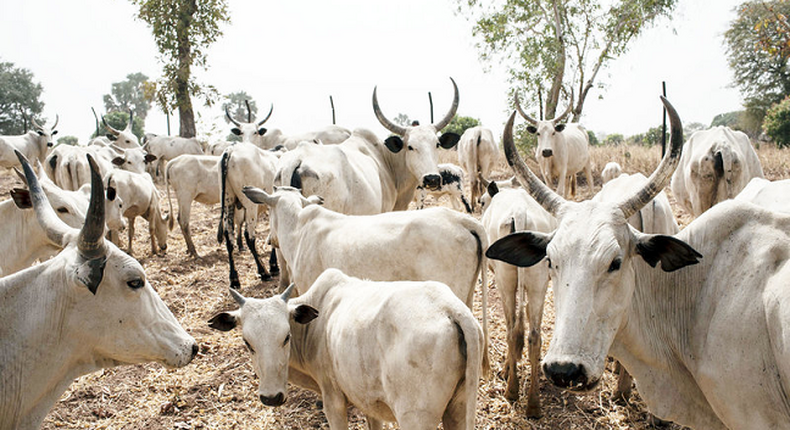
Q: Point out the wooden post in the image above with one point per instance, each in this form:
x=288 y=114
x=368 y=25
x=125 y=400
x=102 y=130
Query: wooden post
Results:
x=332 y=104
x=430 y=101
x=540 y=103
x=664 y=126
x=168 y=123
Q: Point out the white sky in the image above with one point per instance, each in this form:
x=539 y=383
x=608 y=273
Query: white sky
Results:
x=296 y=53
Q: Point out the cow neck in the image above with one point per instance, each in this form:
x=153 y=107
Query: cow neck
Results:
x=307 y=341
x=26 y=230
x=400 y=176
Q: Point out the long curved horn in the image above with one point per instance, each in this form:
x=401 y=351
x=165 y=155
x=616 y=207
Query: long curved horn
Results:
x=249 y=111
x=96 y=118
x=389 y=125
x=53 y=226
x=287 y=293
x=547 y=198
x=564 y=114
x=453 y=109
x=35 y=123
x=91 y=239
x=271 y=109
x=131 y=121
x=658 y=180
x=230 y=118
x=108 y=127
x=57 y=118
x=521 y=112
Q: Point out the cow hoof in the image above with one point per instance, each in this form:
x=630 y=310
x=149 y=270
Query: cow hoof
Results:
x=274 y=271
x=533 y=409
x=266 y=277
x=621 y=398
x=235 y=284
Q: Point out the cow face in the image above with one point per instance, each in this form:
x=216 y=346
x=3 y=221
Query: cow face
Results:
x=419 y=146
x=548 y=136
x=45 y=134
x=267 y=326
x=131 y=159
x=712 y=177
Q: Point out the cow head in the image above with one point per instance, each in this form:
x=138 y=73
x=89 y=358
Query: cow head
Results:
x=45 y=134
x=124 y=138
x=591 y=257
x=420 y=143
x=249 y=131
x=266 y=327
x=285 y=204
x=113 y=207
x=548 y=132
x=70 y=208
x=712 y=176
x=131 y=159
x=113 y=310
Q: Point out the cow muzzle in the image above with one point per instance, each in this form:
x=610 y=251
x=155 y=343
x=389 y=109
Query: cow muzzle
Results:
x=432 y=182
x=547 y=153
x=276 y=400
x=569 y=376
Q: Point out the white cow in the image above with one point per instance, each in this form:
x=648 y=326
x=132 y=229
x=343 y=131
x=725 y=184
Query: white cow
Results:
x=218 y=147
x=140 y=198
x=478 y=156
x=716 y=165
x=611 y=171
x=329 y=135
x=562 y=151
x=123 y=138
x=33 y=145
x=88 y=308
x=452 y=185
x=767 y=194
x=68 y=167
x=166 y=148
x=705 y=336
x=510 y=210
x=362 y=175
x=399 y=351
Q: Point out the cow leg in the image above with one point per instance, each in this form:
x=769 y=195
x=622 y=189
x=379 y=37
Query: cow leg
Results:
x=374 y=424
x=506 y=282
x=335 y=408
x=588 y=175
x=624 y=381
x=454 y=417
x=130 y=222
x=151 y=229
x=228 y=233
x=536 y=281
x=274 y=269
x=285 y=276
x=572 y=187
x=421 y=200
x=460 y=196
x=561 y=187
x=250 y=238
x=184 y=212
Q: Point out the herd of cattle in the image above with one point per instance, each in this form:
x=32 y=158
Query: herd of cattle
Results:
x=373 y=312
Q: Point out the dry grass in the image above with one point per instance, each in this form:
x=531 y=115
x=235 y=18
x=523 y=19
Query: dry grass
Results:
x=218 y=389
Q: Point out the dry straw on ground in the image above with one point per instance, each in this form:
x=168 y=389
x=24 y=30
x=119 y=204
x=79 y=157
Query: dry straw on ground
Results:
x=218 y=390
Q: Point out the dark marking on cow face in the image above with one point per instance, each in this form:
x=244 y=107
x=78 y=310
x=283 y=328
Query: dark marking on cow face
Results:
x=532 y=129
x=673 y=253
x=149 y=158
x=224 y=321
x=559 y=128
x=432 y=182
x=118 y=161
x=448 y=140
x=91 y=272
x=21 y=198
x=303 y=314
x=394 y=144
x=261 y=131
x=522 y=249
x=493 y=189
x=235 y=131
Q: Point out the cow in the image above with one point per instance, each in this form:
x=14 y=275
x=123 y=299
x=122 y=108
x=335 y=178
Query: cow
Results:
x=166 y=148
x=329 y=135
x=140 y=198
x=218 y=147
x=716 y=165
x=379 y=247
x=704 y=336
x=33 y=144
x=562 y=150
x=611 y=171
x=771 y=195
x=90 y=307
x=509 y=210
x=364 y=176
x=452 y=185
x=193 y=178
x=399 y=351
x=124 y=138
x=240 y=165
x=67 y=166
x=477 y=155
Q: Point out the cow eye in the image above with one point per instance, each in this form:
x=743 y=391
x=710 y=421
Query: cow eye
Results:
x=412 y=149
x=136 y=284
x=249 y=347
x=287 y=338
x=615 y=266
x=63 y=210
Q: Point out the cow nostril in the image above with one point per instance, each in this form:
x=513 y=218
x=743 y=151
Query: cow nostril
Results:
x=547 y=153
x=566 y=375
x=195 y=350
x=277 y=400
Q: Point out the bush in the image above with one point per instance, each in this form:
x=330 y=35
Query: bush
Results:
x=777 y=123
x=613 y=139
x=118 y=121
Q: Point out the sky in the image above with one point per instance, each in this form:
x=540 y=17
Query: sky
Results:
x=295 y=54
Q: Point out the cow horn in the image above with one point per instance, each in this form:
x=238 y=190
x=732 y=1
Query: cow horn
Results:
x=547 y=198
x=521 y=112
x=91 y=241
x=57 y=118
x=258 y=196
x=658 y=180
x=287 y=293
x=238 y=297
x=230 y=118
x=108 y=127
x=117 y=149
x=271 y=109
x=564 y=114
x=96 y=118
x=35 y=123
x=53 y=226
x=389 y=125
x=131 y=121
x=453 y=109
x=249 y=111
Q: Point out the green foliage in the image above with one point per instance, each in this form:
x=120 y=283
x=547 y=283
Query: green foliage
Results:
x=538 y=39
x=235 y=103
x=118 y=121
x=651 y=137
x=18 y=94
x=743 y=120
x=459 y=124
x=777 y=123
x=592 y=138
x=68 y=140
x=691 y=128
x=402 y=119
x=613 y=139
x=129 y=94
x=758 y=48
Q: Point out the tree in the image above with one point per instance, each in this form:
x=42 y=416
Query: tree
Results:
x=68 y=140
x=746 y=121
x=19 y=97
x=118 y=121
x=236 y=104
x=758 y=48
x=459 y=124
x=592 y=138
x=402 y=119
x=777 y=123
x=613 y=139
x=130 y=94
x=183 y=30
x=539 y=39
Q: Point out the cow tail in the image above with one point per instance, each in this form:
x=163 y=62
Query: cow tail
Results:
x=474 y=169
x=482 y=269
x=471 y=343
x=170 y=219
x=223 y=168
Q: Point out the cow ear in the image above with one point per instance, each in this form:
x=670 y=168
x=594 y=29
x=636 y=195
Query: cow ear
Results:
x=91 y=272
x=303 y=314
x=21 y=198
x=112 y=137
x=531 y=129
x=261 y=131
x=149 y=158
x=559 y=127
x=118 y=161
x=673 y=253
x=448 y=140
x=493 y=189
x=224 y=321
x=235 y=131
x=522 y=249
x=394 y=143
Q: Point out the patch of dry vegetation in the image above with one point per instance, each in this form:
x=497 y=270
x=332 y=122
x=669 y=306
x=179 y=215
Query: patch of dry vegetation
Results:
x=218 y=390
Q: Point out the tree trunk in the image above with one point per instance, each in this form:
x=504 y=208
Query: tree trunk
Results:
x=553 y=98
x=183 y=99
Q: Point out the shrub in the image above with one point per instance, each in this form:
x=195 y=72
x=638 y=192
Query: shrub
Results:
x=777 y=123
